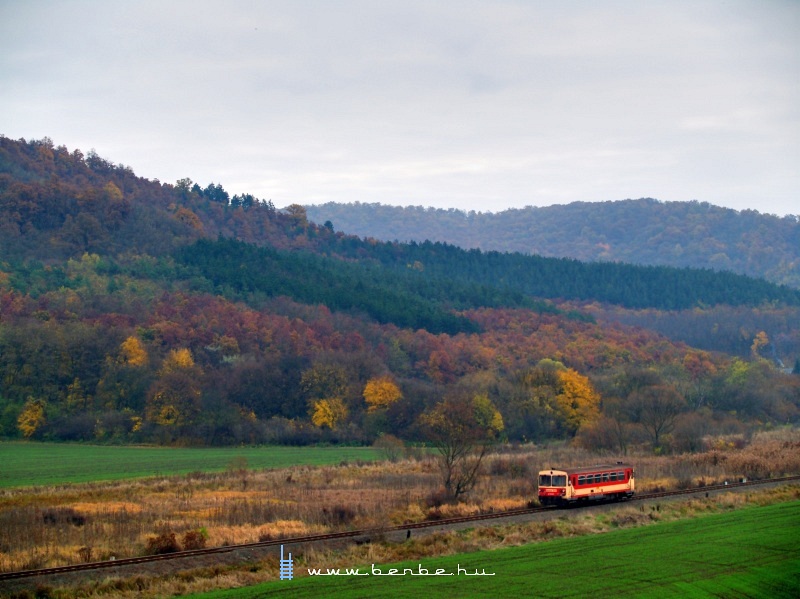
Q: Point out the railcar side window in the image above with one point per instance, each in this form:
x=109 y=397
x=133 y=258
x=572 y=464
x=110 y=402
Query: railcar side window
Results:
x=613 y=477
x=622 y=476
x=582 y=479
x=605 y=477
x=559 y=480
x=545 y=480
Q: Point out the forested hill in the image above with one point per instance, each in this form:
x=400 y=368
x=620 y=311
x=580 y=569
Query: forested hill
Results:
x=133 y=310
x=645 y=231
x=56 y=205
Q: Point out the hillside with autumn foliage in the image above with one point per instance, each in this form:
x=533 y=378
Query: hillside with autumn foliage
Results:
x=138 y=311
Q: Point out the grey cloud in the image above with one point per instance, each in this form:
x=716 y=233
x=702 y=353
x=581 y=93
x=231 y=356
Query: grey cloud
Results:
x=476 y=105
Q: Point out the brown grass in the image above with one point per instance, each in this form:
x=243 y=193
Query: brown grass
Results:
x=46 y=527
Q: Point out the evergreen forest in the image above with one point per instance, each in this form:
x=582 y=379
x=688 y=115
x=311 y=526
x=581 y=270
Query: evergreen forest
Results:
x=644 y=231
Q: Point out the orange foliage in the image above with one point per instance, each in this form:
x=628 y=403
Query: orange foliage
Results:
x=328 y=412
x=132 y=352
x=31 y=417
x=577 y=400
x=381 y=392
x=177 y=359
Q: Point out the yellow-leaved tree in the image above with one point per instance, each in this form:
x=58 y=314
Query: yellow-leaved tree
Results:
x=577 y=401
x=328 y=412
x=132 y=352
x=488 y=416
x=176 y=361
x=760 y=341
x=380 y=393
x=31 y=417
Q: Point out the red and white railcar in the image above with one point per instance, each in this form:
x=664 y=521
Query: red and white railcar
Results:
x=595 y=483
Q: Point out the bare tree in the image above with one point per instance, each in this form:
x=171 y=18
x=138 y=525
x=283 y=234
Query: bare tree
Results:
x=656 y=408
x=390 y=447
x=462 y=431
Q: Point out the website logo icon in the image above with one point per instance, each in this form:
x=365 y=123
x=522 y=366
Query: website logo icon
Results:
x=287 y=568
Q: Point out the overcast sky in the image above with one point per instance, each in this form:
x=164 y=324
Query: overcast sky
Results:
x=472 y=105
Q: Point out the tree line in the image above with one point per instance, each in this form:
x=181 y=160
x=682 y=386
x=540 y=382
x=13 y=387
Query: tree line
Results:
x=643 y=231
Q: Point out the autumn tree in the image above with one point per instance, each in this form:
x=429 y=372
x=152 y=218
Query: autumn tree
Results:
x=297 y=215
x=563 y=399
x=326 y=387
x=177 y=360
x=461 y=429
x=699 y=369
x=189 y=218
x=576 y=400
x=174 y=399
x=32 y=417
x=380 y=393
x=487 y=416
x=132 y=352
x=126 y=377
x=329 y=412
x=756 y=390
x=759 y=342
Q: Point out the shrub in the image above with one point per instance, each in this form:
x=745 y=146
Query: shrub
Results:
x=54 y=516
x=391 y=447
x=43 y=591
x=162 y=544
x=338 y=514
x=195 y=539
x=437 y=499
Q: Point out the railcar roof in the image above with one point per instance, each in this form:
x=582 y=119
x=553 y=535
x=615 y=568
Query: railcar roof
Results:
x=588 y=469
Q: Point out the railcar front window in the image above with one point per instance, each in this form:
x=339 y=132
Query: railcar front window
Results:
x=545 y=480
x=559 y=480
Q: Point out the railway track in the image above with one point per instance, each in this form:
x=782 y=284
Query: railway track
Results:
x=21 y=574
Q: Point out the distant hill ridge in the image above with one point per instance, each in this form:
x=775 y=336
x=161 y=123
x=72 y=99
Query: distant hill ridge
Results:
x=644 y=231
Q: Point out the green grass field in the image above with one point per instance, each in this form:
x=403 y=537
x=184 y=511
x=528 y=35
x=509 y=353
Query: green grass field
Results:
x=751 y=552
x=25 y=464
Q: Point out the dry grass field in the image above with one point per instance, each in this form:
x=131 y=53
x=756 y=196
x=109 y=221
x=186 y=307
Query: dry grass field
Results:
x=66 y=524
